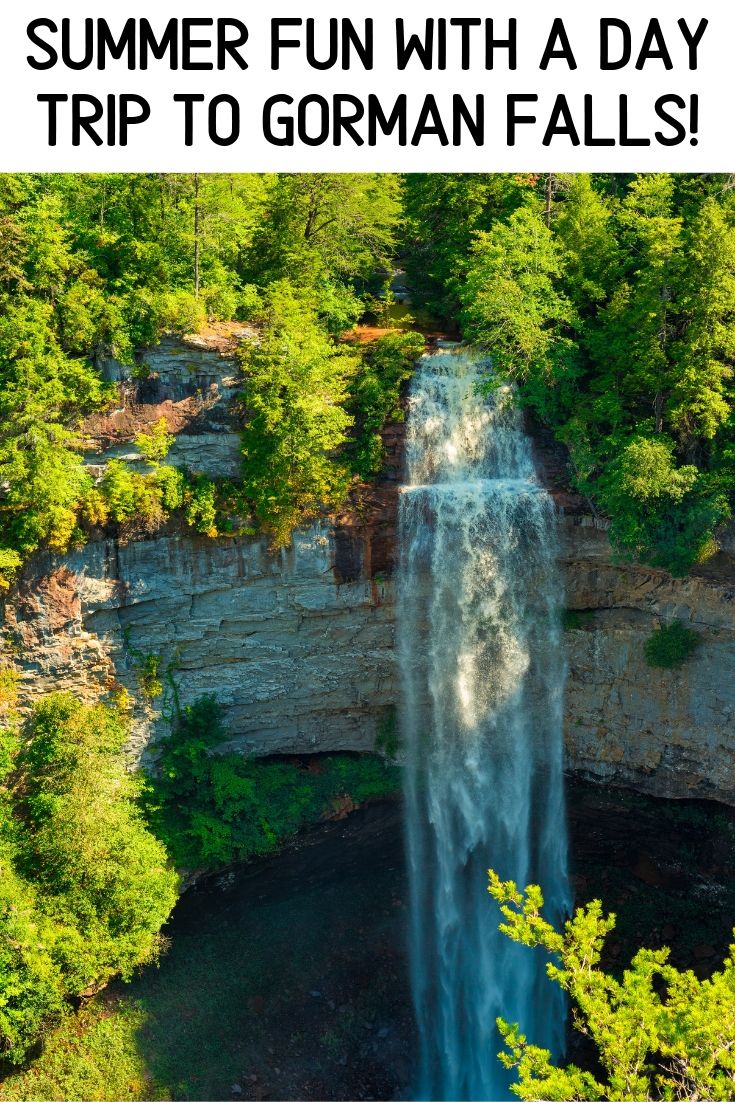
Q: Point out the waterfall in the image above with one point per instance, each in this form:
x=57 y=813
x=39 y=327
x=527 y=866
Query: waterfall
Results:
x=482 y=679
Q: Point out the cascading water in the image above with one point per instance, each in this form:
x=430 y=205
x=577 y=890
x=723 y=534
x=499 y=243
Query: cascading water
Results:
x=482 y=679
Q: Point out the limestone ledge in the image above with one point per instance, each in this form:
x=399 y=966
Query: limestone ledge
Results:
x=298 y=646
x=667 y=732
x=299 y=662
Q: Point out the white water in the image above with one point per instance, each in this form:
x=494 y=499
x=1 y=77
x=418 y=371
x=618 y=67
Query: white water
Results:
x=482 y=680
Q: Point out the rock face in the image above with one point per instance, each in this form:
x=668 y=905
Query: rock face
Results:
x=668 y=732
x=299 y=661
x=299 y=646
x=193 y=384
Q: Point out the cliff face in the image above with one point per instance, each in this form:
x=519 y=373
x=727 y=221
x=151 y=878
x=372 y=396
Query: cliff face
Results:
x=668 y=732
x=298 y=661
x=299 y=646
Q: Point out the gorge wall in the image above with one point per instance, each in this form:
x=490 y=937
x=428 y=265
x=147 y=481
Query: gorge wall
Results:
x=669 y=732
x=298 y=645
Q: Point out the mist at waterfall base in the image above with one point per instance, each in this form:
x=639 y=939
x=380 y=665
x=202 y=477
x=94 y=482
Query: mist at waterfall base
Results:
x=482 y=678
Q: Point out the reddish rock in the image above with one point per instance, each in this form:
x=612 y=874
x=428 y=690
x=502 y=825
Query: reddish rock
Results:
x=57 y=594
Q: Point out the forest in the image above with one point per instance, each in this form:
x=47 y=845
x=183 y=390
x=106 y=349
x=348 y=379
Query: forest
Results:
x=608 y=301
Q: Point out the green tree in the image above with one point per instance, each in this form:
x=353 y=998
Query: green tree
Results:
x=332 y=234
x=636 y=329
x=704 y=353
x=584 y=229
x=296 y=382
x=667 y=514
x=84 y=887
x=514 y=306
x=102 y=879
x=31 y=987
x=443 y=214
x=659 y=1033
x=43 y=395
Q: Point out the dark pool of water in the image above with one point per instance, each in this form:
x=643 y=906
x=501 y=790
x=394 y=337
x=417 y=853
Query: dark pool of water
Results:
x=288 y=979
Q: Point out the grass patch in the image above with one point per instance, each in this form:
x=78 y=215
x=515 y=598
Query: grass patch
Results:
x=92 y=1055
x=670 y=645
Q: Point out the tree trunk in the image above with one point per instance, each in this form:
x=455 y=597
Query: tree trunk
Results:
x=197 y=234
x=549 y=197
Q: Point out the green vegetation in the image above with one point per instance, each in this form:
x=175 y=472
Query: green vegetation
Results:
x=214 y=808
x=85 y=886
x=155 y=444
x=137 y=503
x=236 y=984
x=611 y=301
x=93 y=1055
x=296 y=388
x=659 y=1033
x=93 y=266
x=375 y=396
x=671 y=645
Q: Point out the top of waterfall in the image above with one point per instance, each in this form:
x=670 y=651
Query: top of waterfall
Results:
x=477 y=486
x=461 y=430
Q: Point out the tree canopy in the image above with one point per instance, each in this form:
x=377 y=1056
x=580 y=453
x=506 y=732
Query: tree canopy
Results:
x=97 y=266
x=658 y=1033
x=84 y=885
x=610 y=300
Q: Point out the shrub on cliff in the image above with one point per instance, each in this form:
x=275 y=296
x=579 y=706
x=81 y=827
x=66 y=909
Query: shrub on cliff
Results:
x=211 y=809
x=671 y=644
x=375 y=396
x=84 y=886
x=659 y=1033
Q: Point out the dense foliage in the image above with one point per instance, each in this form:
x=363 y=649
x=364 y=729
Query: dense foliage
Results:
x=610 y=299
x=671 y=644
x=375 y=396
x=612 y=302
x=296 y=387
x=98 y=266
x=215 y=808
x=84 y=886
x=658 y=1033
